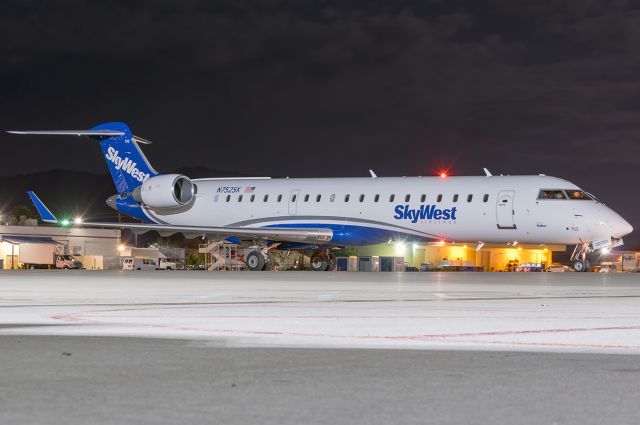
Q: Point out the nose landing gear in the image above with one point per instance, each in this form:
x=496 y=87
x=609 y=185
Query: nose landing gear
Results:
x=579 y=256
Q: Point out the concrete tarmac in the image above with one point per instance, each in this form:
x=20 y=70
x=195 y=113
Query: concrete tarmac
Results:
x=560 y=312
x=358 y=348
x=105 y=380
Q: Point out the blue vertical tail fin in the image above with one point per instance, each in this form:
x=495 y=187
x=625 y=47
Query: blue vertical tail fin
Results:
x=127 y=164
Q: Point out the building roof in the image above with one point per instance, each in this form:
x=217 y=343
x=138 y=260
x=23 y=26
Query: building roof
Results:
x=16 y=240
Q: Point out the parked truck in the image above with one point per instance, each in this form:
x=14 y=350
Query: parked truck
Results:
x=67 y=262
x=38 y=256
x=131 y=263
x=166 y=264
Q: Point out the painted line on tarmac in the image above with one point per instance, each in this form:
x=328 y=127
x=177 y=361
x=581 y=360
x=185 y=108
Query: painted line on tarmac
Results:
x=445 y=337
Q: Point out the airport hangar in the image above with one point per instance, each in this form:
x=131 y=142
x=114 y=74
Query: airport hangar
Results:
x=96 y=248
x=102 y=249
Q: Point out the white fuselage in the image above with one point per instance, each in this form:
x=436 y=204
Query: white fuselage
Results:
x=360 y=211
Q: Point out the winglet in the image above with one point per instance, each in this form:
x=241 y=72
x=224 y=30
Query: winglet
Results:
x=44 y=212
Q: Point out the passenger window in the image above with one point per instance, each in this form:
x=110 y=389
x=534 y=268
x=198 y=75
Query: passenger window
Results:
x=279 y=198
x=551 y=194
x=392 y=198
x=318 y=198
x=469 y=198
x=228 y=198
x=239 y=198
x=306 y=198
x=423 y=197
x=407 y=198
x=266 y=198
x=332 y=197
x=253 y=198
x=455 y=198
x=485 y=198
x=376 y=198
x=346 y=198
x=361 y=198
x=439 y=198
x=215 y=198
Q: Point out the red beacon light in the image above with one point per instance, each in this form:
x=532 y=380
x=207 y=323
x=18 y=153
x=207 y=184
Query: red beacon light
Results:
x=443 y=174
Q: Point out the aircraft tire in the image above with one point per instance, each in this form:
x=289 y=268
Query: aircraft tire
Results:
x=580 y=265
x=332 y=263
x=255 y=261
x=319 y=262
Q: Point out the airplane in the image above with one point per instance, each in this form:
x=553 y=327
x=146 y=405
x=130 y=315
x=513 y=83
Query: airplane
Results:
x=318 y=214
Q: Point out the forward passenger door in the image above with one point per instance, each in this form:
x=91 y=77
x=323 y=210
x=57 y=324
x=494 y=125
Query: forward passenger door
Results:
x=504 y=209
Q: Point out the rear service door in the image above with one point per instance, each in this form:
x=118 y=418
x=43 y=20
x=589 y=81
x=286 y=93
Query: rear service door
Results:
x=293 y=201
x=504 y=209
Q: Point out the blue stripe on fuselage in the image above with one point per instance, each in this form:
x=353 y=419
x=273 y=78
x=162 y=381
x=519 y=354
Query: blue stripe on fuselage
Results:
x=347 y=234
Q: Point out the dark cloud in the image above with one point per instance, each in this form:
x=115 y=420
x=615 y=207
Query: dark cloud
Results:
x=319 y=88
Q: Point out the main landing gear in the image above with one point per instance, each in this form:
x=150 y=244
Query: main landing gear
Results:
x=255 y=261
x=322 y=261
x=258 y=259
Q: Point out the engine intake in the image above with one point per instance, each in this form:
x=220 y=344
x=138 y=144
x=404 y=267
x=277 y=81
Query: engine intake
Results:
x=165 y=191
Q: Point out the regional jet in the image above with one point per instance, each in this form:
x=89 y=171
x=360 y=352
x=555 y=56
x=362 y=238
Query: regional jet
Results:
x=317 y=214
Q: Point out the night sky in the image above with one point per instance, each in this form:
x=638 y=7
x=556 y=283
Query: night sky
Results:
x=333 y=88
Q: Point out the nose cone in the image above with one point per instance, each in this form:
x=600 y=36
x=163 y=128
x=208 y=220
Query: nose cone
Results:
x=622 y=228
x=618 y=226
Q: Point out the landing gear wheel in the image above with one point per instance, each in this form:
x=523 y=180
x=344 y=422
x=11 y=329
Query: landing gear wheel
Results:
x=580 y=265
x=255 y=261
x=319 y=262
x=332 y=263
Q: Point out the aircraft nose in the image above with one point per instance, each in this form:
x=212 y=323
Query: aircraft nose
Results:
x=618 y=225
x=623 y=227
x=611 y=223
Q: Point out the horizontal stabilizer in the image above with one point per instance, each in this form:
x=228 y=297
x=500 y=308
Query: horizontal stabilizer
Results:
x=89 y=133
x=45 y=214
x=71 y=132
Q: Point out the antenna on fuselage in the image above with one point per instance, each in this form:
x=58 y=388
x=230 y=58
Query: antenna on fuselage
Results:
x=487 y=172
x=373 y=175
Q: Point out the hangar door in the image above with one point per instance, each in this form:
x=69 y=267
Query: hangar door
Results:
x=504 y=209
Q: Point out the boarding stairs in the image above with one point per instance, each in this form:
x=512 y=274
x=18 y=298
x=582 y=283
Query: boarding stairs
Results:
x=221 y=255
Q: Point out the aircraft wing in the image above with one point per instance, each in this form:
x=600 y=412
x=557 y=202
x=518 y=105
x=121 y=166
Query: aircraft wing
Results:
x=314 y=236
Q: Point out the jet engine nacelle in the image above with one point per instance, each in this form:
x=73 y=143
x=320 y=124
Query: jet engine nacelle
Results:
x=165 y=191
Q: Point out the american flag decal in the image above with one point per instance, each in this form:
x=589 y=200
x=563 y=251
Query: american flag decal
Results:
x=249 y=189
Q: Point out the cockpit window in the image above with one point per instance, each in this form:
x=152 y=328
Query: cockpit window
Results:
x=551 y=194
x=578 y=195
x=594 y=197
